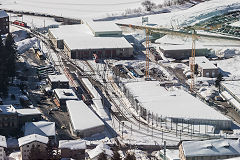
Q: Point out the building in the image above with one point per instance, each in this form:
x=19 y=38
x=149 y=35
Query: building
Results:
x=58 y=81
x=42 y=128
x=174 y=104
x=84 y=122
x=209 y=149
x=83 y=40
x=230 y=90
x=101 y=148
x=3 y=146
x=205 y=67
x=62 y=95
x=104 y=29
x=74 y=149
x=28 y=115
x=182 y=51
x=27 y=142
x=8 y=119
x=4 y=22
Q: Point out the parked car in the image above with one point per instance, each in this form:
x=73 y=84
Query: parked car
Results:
x=54 y=109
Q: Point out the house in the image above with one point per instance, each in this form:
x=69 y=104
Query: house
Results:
x=8 y=119
x=101 y=148
x=3 y=146
x=58 y=81
x=209 y=149
x=205 y=67
x=28 y=115
x=62 y=95
x=72 y=149
x=43 y=128
x=84 y=122
x=230 y=90
x=82 y=41
x=4 y=22
x=34 y=140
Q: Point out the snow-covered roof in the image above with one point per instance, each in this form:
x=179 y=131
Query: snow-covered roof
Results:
x=171 y=103
x=204 y=63
x=58 y=78
x=81 y=116
x=104 y=26
x=217 y=147
x=72 y=144
x=99 y=149
x=28 y=111
x=67 y=94
x=43 y=128
x=233 y=87
x=80 y=37
x=3 y=142
x=7 y=109
x=3 y=14
x=180 y=47
x=32 y=138
x=91 y=88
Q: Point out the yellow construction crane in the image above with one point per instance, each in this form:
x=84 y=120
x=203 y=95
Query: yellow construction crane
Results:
x=192 y=60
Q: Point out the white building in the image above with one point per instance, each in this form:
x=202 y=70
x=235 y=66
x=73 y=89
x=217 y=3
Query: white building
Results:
x=84 y=122
x=205 y=67
x=209 y=149
x=72 y=148
x=84 y=40
x=3 y=146
x=27 y=142
x=62 y=95
x=174 y=104
x=43 y=128
x=58 y=81
x=101 y=148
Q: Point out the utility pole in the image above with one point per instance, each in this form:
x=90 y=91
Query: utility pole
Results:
x=122 y=129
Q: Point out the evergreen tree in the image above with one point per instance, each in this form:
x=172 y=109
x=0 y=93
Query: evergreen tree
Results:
x=12 y=52
x=130 y=157
x=116 y=155
x=102 y=156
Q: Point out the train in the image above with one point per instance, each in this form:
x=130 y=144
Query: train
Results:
x=20 y=23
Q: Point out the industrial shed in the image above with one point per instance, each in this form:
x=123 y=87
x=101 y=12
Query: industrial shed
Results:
x=79 y=42
x=230 y=90
x=182 y=51
x=174 y=104
x=58 y=81
x=205 y=67
x=84 y=122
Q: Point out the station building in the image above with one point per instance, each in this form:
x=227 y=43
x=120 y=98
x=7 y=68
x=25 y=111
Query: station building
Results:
x=62 y=95
x=4 y=22
x=82 y=41
x=58 y=81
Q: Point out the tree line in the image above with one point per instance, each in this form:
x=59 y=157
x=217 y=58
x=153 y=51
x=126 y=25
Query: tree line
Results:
x=8 y=52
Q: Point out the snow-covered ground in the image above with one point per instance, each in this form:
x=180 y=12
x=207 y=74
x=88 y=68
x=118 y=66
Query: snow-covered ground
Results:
x=189 y=16
x=76 y=8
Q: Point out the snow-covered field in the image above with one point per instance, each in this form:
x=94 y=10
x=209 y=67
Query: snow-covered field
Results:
x=189 y=16
x=75 y=8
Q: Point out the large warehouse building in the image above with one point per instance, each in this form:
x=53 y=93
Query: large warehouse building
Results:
x=84 y=122
x=175 y=104
x=83 y=40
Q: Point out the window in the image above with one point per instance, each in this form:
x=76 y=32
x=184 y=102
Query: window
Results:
x=27 y=145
